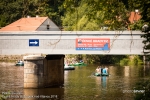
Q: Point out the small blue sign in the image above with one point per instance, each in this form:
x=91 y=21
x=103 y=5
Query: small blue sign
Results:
x=33 y=42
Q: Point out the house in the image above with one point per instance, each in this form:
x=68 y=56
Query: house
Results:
x=134 y=16
x=32 y=24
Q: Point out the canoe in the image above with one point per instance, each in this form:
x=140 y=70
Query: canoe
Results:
x=19 y=64
x=69 y=68
x=98 y=74
x=77 y=64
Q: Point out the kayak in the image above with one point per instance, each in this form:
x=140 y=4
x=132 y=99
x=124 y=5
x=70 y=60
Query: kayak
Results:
x=69 y=68
x=98 y=74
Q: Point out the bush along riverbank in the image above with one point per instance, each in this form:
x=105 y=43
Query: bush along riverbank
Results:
x=131 y=60
x=121 y=60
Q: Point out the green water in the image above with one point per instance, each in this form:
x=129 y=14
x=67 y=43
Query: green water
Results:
x=79 y=84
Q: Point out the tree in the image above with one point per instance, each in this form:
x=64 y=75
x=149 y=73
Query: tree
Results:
x=13 y=10
x=145 y=12
x=10 y=11
x=94 y=15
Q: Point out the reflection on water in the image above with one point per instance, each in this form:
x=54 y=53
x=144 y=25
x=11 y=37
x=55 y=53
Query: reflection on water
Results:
x=104 y=81
x=79 y=84
x=126 y=71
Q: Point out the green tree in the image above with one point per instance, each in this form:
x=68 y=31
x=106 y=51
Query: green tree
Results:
x=13 y=10
x=145 y=12
x=95 y=14
x=10 y=10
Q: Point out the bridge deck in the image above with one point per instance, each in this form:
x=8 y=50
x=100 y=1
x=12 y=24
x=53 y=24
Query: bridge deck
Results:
x=67 y=42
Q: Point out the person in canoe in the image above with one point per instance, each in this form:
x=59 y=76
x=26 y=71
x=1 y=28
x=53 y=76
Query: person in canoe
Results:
x=98 y=70
x=105 y=70
x=81 y=61
x=102 y=70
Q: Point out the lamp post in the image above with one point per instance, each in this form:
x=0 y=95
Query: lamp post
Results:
x=135 y=15
x=145 y=29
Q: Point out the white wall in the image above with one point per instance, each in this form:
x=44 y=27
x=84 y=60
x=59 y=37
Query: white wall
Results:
x=13 y=43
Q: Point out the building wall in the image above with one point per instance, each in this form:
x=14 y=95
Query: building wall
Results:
x=64 y=42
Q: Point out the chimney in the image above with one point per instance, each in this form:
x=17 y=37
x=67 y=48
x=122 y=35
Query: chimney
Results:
x=48 y=25
x=28 y=16
x=37 y=16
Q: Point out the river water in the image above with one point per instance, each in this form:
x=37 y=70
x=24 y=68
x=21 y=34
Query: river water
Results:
x=79 y=84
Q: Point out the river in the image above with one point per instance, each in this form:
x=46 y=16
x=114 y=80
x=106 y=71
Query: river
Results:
x=79 y=84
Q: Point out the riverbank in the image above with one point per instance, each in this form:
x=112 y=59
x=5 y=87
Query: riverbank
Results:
x=10 y=58
x=14 y=58
x=88 y=59
x=4 y=64
x=122 y=60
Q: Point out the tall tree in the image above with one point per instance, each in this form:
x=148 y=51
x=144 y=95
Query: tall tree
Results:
x=92 y=15
x=145 y=12
x=12 y=10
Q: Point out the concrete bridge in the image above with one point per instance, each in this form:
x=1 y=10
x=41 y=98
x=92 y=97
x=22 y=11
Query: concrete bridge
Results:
x=71 y=42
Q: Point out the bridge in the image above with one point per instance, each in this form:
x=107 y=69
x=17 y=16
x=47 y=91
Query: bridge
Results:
x=71 y=42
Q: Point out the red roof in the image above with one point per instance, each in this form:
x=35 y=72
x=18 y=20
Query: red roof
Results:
x=25 y=24
x=134 y=17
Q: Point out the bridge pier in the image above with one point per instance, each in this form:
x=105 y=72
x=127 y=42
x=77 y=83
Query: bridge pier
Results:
x=42 y=72
x=54 y=70
x=33 y=71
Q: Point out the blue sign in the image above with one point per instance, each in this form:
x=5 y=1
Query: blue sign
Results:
x=33 y=42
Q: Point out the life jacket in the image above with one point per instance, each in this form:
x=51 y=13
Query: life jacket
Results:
x=104 y=71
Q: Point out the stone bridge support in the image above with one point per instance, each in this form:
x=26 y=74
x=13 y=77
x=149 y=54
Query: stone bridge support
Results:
x=40 y=72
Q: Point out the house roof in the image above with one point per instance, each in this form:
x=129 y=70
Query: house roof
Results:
x=134 y=17
x=25 y=24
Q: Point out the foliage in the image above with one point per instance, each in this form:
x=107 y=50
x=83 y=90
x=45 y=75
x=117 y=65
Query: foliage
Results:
x=146 y=41
x=10 y=11
x=77 y=14
x=145 y=12
x=16 y=9
x=107 y=59
x=124 y=61
x=94 y=15
x=137 y=25
x=131 y=60
x=97 y=59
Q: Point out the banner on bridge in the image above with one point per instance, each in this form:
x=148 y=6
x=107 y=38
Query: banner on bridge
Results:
x=102 y=44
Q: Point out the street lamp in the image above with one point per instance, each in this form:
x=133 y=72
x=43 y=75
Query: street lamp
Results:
x=136 y=14
x=145 y=28
x=136 y=10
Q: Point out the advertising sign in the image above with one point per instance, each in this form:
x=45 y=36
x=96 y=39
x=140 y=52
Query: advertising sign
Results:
x=102 y=44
